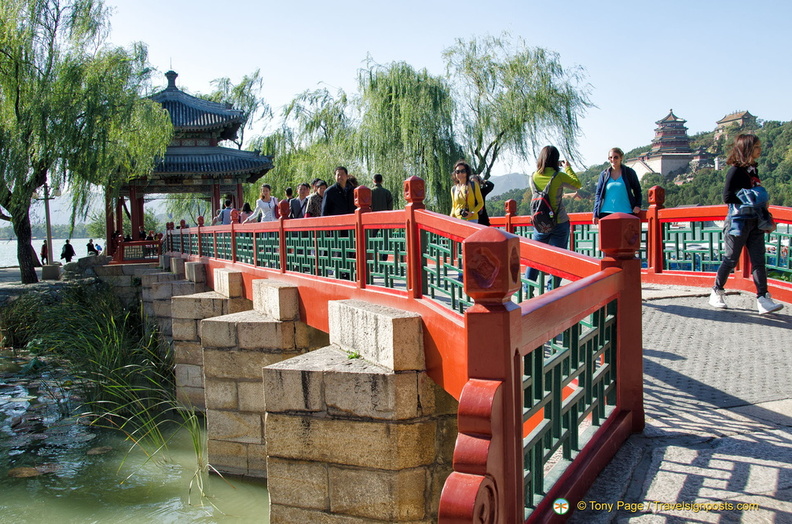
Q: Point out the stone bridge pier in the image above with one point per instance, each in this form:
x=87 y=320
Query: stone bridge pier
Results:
x=346 y=426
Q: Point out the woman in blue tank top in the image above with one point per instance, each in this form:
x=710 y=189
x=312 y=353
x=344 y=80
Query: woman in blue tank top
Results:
x=618 y=189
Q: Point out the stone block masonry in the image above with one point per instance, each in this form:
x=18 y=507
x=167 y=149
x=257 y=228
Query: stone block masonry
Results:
x=235 y=347
x=358 y=438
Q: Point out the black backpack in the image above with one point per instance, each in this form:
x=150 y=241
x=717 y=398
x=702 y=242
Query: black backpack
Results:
x=542 y=213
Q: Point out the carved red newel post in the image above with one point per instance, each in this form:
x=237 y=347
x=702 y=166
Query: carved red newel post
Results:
x=414 y=195
x=654 y=231
x=511 y=212
x=283 y=212
x=486 y=484
x=362 y=205
x=620 y=238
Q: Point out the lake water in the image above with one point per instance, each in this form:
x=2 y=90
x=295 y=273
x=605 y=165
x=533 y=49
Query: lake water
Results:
x=8 y=249
x=89 y=475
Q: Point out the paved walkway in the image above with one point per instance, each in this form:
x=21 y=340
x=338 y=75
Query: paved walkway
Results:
x=718 y=398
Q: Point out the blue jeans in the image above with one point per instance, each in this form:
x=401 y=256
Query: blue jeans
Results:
x=558 y=237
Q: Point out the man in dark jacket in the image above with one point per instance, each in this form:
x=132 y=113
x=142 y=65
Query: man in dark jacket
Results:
x=339 y=199
x=381 y=198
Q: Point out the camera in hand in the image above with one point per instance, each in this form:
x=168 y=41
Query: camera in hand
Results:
x=464 y=212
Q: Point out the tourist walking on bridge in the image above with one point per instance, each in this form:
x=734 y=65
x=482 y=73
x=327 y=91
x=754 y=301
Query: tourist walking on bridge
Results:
x=266 y=206
x=339 y=199
x=314 y=208
x=741 y=177
x=549 y=175
x=466 y=197
x=44 y=253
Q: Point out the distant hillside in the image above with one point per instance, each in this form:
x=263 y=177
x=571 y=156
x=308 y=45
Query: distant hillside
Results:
x=508 y=182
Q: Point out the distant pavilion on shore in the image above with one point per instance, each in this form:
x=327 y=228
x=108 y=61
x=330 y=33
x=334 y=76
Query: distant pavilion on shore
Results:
x=193 y=162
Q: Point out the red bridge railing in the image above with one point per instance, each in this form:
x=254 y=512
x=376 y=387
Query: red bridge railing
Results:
x=549 y=382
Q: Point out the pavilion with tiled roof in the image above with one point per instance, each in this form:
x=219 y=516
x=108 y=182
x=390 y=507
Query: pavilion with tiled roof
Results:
x=194 y=162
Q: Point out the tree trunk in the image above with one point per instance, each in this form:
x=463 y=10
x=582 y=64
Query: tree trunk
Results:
x=25 y=251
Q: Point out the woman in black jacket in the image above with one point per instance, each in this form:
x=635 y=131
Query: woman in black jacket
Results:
x=618 y=189
x=743 y=175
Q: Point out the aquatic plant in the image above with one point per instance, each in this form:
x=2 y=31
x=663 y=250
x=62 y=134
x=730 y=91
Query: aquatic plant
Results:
x=123 y=369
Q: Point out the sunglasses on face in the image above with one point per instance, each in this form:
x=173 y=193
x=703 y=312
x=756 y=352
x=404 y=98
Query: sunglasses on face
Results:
x=459 y=171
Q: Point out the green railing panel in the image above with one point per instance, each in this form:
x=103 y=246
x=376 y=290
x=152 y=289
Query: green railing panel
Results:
x=267 y=249
x=441 y=265
x=300 y=252
x=207 y=245
x=694 y=246
x=192 y=244
x=586 y=240
x=244 y=248
x=335 y=256
x=386 y=258
x=570 y=381
x=174 y=243
x=778 y=244
x=223 y=246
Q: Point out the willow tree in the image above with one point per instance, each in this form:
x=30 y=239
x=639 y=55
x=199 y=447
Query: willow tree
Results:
x=315 y=136
x=70 y=109
x=512 y=98
x=407 y=129
x=245 y=96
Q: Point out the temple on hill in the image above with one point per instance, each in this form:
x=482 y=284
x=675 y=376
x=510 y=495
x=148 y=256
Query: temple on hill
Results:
x=735 y=121
x=670 y=148
x=194 y=162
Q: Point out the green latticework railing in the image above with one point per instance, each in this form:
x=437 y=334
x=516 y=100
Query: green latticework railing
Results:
x=336 y=254
x=386 y=261
x=693 y=247
x=192 y=243
x=778 y=245
x=175 y=243
x=300 y=252
x=441 y=265
x=579 y=364
x=244 y=248
x=267 y=249
x=586 y=240
x=207 y=244
x=223 y=246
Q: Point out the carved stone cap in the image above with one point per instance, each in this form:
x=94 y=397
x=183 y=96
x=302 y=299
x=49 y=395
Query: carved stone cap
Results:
x=491 y=265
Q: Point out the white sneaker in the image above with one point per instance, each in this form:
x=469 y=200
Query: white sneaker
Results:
x=765 y=304
x=716 y=299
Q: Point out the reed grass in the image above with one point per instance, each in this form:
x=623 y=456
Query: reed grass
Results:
x=123 y=369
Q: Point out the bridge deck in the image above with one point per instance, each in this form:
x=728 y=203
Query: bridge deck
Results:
x=718 y=414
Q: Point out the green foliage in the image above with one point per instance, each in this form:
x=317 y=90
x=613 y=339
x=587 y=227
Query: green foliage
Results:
x=124 y=372
x=513 y=98
x=18 y=318
x=245 y=96
x=71 y=110
x=317 y=134
x=407 y=129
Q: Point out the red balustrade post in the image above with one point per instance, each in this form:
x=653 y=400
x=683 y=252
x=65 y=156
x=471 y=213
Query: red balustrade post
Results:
x=414 y=194
x=620 y=239
x=234 y=220
x=654 y=232
x=511 y=212
x=362 y=205
x=283 y=211
x=200 y=225
x=487 y=482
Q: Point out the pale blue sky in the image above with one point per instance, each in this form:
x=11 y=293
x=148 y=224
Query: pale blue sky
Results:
x=702 y=58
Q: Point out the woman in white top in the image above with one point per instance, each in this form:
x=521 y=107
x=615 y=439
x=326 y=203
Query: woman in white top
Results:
x=266 y=206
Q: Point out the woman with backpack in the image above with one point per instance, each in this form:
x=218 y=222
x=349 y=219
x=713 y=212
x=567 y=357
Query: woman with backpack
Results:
x=466 y=198
x=550 y=179
x=618 y=189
